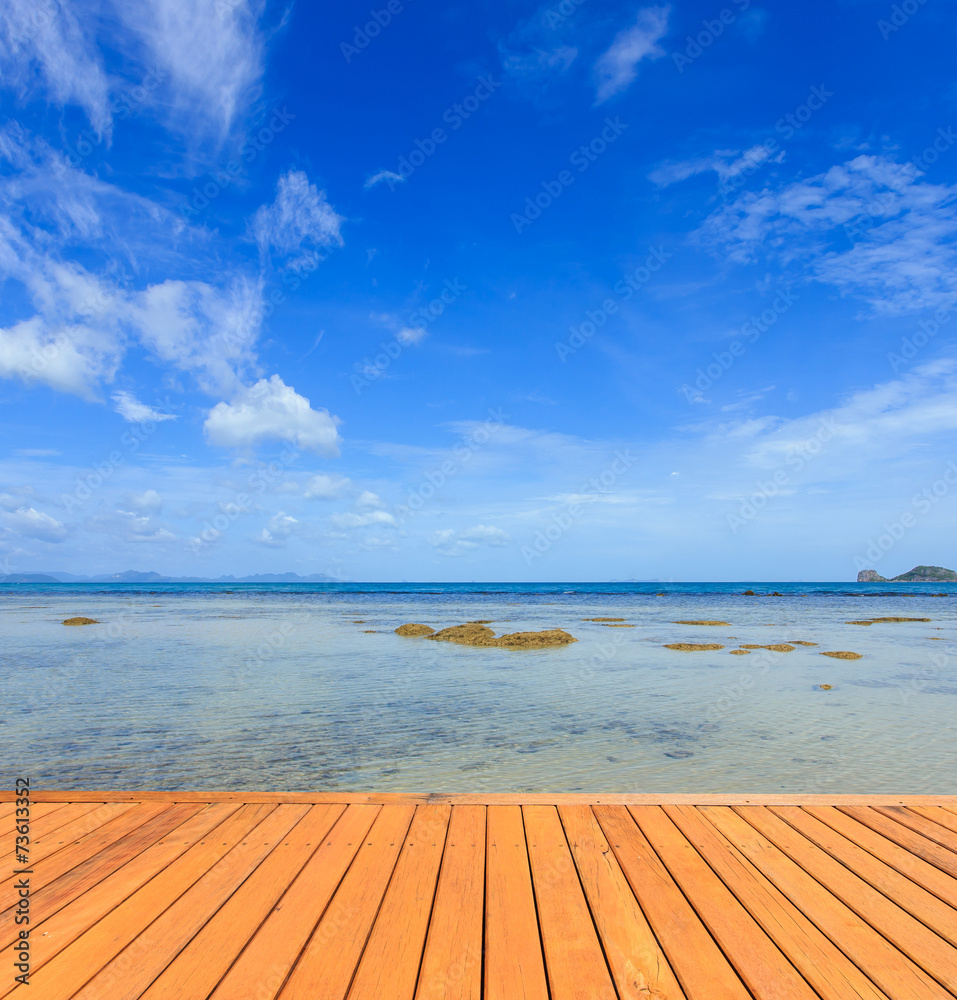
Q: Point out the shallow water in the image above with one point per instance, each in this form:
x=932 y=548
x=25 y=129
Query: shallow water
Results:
x=280 y=687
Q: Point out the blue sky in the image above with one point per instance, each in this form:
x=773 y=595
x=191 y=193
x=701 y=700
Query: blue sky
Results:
x=577 y=291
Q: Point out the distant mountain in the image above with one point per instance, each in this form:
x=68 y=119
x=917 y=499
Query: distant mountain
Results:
x=919 y=574
x=28 y=578
x=134 y=576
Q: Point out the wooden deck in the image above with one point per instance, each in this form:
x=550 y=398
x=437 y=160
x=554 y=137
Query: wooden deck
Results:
x=549 y=897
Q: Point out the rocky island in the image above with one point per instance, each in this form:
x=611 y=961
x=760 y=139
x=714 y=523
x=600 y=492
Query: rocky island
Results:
x=919 y=574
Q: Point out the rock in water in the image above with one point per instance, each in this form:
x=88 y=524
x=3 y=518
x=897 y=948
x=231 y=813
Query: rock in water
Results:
x=701 y=621
x=535 y=640
x=471 y=634
x=81 y=621
x=843 y=654
x=414 y=630
x=870 y=576
x=692 y=647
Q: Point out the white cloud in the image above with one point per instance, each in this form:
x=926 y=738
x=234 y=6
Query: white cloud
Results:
x=130 y=526
x=726 y=163
x=449 y=542
x=209 y=54
x=272 y=410
x=84 y=322
x=208 y=331
x=411 y=334
x=131 y=409
x=369 y=501
x=281 y=528
x=44 y=43
x=72 y=359
x=350 y=520
x=35 y=524
x=869 y=227
x=326 y=487
x=299 y=217
x=617 y=67
x=384 y=175
x=149 y=501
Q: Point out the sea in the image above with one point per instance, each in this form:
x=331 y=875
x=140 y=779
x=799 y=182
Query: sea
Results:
x=306 y=687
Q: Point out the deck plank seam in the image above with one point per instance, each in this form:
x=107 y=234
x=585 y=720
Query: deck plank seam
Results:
x=275 y=905
x=894 y=867
x=870 y=881
x=332 y=898
x=318 y=920
x=866 y=917
x=814 y=923
x=535 y=903
x=950 y=827
x=744 y=906
x=125 y=861
x=932 y=844
x=760 y=877
x=591 y=914
x=945 y=832
x=677 y=885
x=246 y=943
x=435 y=892
x=173 y=902
x=93 y=833
x=239 y=843
x=385 y=892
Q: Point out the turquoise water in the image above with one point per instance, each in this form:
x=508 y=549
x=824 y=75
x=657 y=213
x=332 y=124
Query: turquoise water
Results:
x=306 y=687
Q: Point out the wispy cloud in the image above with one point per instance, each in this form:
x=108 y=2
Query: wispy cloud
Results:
x=869 y=227
x=131 y=409
x=300 y=217
x=44 y=51
x=726 y=163
x=617 y=67
x=389 y=176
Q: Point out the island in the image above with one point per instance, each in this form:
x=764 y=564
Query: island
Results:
x=919 y=574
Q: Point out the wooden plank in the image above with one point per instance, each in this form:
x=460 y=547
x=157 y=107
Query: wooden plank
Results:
x=68 y=924
x=915 y=941
x=483 y=798
x=81 y=878
x=271 y=954
x=58 y=841
x=327 y=964
x=914 y=843
x=196 y=970
x=514 y=962
x=893 y=972
x=134 y=969
x=47 y=821
x=574 y=961
x=915 y=821
x=915 y=868
x=823 y=965
x=939 y=815
x=759 y=963
x=918 y=902
x=452 y=961
x=638 y=965
x=390 y=963
x=65 y=855
x=83 y=958
x=699 y=964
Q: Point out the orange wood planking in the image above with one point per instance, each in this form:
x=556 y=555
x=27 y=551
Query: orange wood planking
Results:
x=142 y=896
x=452 y=961
x=514 y=965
